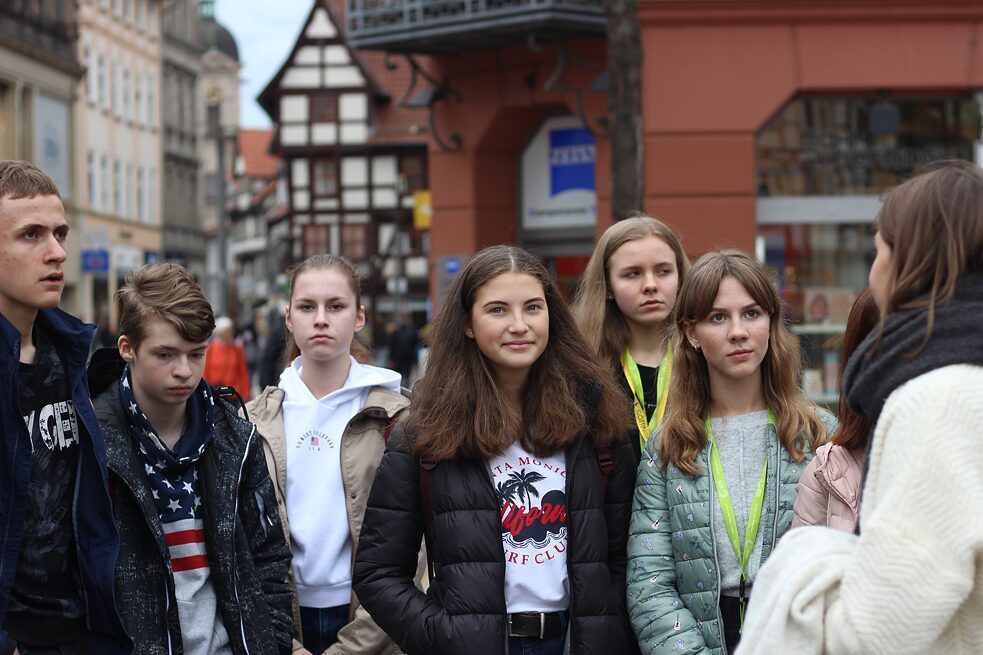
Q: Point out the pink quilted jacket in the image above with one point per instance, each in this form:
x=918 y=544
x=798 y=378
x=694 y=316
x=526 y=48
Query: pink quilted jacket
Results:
x=828 y=492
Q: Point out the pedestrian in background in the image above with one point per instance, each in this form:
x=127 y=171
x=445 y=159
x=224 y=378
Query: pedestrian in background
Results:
x=403 y=343
x=202 y=566
x=323 y=432
x=829 y=489
x=911 y=582
x=225 y=364
x=512 y=460
x=624 y=309
x=717 y=481
x=58 y=539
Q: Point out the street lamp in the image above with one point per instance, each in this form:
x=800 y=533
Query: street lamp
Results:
x=213 y=96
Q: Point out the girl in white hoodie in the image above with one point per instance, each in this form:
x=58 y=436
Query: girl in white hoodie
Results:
x=323 y=430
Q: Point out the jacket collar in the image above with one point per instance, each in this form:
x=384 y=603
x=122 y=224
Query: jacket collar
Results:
x=70 y=337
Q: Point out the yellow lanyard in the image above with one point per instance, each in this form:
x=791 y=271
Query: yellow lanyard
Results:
x=727 y=509
x=647 y=425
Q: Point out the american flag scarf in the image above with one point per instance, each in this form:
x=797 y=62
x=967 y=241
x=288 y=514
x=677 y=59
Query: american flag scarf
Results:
x=173 y=474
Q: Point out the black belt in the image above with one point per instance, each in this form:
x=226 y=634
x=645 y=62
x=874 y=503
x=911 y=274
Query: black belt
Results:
x=536 y=625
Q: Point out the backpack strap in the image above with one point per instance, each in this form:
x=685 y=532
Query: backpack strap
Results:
x=605 y=459
x=426 y=478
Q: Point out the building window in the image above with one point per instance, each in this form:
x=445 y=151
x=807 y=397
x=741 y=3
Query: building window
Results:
x=90 y=75
x=141 y=194
x=412 y=174
x=117 y=188
x=126 y=94
x=129 y=190
x=151 y=101
x=138 y=13
x=104 y=183
x=117 y=89
x=90 y=174
x=101 y=80
x=317 y=239
x=353 y=241
x=138 y=99
x=326 y=177
x=127 y=5
x=324 y=107
x=152 y=193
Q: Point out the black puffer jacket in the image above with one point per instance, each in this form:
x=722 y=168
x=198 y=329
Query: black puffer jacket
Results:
x=247 y=552
x=464 y=608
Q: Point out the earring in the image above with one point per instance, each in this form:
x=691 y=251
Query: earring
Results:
x=469 y=333
x=610 y=297
x=694 y=344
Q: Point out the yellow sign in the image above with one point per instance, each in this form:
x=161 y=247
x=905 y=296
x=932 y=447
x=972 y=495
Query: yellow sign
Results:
x=422 y=210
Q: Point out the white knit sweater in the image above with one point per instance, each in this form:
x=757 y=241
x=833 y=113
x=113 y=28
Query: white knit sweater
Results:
x=913 y=581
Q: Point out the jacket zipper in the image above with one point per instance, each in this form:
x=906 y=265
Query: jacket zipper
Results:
x=716 y=565
x=6 y=527
x=235 y=577
x=778 y=481
x=491 y=487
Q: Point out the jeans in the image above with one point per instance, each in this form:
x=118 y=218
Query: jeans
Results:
x=321 y=625
x=74 y=648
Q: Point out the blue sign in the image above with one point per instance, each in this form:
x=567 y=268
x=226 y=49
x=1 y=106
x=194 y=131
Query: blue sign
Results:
x=451 y=265
x=151 y=257
x=571 y=160
x=95 y=261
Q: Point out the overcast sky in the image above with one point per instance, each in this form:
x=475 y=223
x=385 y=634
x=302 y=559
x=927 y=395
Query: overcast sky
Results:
x=265 y=31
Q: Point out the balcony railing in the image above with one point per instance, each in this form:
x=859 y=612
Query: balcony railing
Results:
x=42 y=29
x=435 y=26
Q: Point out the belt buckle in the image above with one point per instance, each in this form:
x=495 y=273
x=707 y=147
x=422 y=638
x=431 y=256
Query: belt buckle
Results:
x=542 y=625
x=508 y=621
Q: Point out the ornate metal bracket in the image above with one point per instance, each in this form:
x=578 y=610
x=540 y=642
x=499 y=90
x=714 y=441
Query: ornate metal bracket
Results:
x=565 y=56
x=427 y=97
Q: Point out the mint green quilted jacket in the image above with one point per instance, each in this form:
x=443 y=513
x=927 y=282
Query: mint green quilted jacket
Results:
x=673 y=581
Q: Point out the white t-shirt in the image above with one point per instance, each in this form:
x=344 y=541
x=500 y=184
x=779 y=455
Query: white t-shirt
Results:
x=532 y=495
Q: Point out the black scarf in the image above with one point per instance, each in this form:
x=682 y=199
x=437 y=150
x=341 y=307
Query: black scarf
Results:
x=957 y=338
x=172 y=474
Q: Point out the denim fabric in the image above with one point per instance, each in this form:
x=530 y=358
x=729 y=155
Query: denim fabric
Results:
x=321 y=625
x=74 y=648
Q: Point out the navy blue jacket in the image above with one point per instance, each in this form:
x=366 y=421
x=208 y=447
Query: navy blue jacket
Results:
x=96 y=538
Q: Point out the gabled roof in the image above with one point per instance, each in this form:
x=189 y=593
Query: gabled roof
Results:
x=254 y=148
x=322 y=11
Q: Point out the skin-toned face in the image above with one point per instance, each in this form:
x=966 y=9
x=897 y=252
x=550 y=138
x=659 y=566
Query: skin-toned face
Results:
x=734 y=335
x=165 y=367
x=643 y=279
x=32 y=255
x=323 y=314
x=880 y=272
x=510 y=323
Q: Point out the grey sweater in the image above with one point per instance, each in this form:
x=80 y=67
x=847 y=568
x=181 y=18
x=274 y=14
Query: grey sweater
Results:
x=743 y=447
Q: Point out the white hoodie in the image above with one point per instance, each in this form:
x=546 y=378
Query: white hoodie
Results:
x=319 y=532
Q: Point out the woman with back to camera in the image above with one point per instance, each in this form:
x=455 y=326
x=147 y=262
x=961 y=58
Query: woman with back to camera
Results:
x=513 y=459
x=717 y=481
x=829 y=489
x=624 y=309
x=911 y=582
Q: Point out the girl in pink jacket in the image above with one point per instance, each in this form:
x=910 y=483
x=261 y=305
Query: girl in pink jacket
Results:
x=829 y=489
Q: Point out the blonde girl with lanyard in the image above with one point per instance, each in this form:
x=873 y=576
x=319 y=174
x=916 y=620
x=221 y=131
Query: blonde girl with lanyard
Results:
x=717 y=481
x=623 y=307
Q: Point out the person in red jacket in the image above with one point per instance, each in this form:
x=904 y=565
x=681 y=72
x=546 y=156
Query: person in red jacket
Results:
x=225 y=361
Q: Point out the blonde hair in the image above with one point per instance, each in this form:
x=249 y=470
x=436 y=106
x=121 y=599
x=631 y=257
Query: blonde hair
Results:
x=599 y=319
x=683 y=431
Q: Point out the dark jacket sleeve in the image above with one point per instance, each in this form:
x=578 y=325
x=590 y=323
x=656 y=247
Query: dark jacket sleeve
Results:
x=269 y=548
x=386 y=561
x=617 y=512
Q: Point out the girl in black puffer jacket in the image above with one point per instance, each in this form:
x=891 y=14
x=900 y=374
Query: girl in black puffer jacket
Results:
x=513 y=459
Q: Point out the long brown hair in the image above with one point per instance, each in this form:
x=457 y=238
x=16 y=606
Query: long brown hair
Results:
x=854 y=429
x=683 y=431
x=599 y=319
x=326 y=262
x=458 y=409
x=934 y=227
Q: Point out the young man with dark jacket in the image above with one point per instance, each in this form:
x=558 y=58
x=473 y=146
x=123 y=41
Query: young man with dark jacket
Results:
x=58 y=543
x=203 y=561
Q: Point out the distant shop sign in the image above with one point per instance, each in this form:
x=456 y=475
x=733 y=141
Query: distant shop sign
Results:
x=95 y=261
x=558 y=176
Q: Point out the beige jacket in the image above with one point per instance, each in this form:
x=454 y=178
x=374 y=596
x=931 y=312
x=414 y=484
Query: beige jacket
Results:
x=362 y=445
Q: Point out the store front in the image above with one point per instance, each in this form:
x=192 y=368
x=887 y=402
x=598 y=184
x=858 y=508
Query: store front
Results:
x=823 y=163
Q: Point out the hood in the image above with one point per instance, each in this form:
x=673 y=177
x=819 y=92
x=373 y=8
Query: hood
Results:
x=361 y=377
x=840 y=471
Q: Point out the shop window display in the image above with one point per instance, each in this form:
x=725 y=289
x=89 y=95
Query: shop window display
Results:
x=822 y=150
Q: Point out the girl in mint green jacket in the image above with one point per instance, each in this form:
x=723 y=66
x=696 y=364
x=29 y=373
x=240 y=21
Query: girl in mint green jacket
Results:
x=717 y=482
